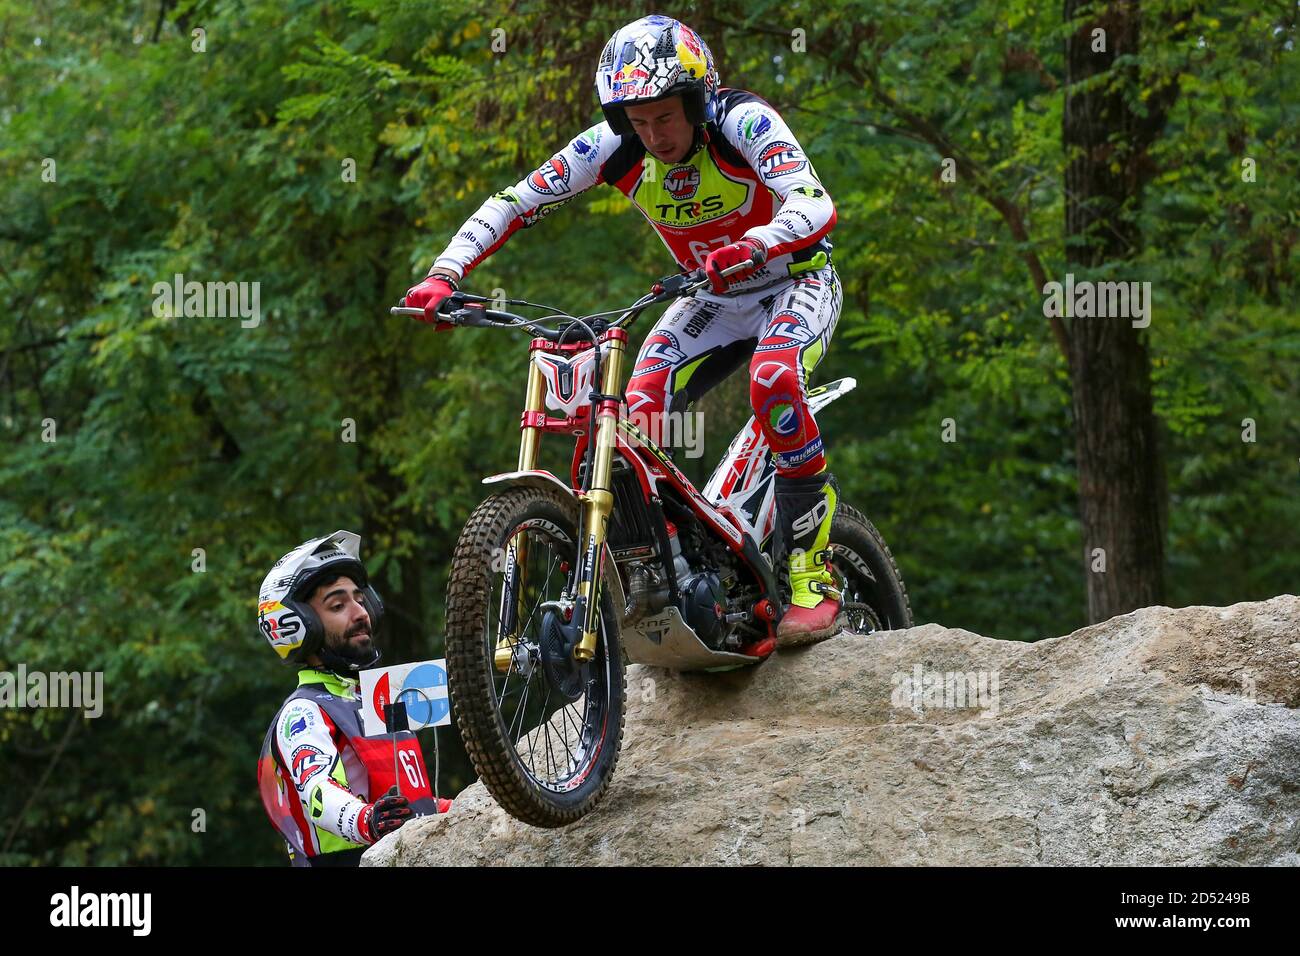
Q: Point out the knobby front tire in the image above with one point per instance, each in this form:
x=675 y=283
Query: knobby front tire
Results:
x=545 y=764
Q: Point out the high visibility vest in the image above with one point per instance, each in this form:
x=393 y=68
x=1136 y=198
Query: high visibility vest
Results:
x=365 y=767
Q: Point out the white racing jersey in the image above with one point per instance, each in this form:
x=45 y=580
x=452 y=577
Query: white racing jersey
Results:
x=748 y=178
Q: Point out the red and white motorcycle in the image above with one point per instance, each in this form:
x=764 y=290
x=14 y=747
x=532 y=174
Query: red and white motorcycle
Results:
x=555 y=579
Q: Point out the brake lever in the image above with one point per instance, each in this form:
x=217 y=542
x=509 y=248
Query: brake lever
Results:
x=472 y=315
x=687 y=283
x=673 y=286
x=445 y=313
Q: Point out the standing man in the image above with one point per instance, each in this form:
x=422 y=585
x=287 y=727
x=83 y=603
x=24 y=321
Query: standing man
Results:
x=328 y=789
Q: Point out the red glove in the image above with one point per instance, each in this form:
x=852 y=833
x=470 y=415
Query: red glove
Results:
x=428 y=295
x=731 y=255
x=385 y=815
x=443 y=804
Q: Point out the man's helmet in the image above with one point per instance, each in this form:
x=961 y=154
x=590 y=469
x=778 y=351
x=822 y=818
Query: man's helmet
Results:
x=288 y=622
x=653 y=58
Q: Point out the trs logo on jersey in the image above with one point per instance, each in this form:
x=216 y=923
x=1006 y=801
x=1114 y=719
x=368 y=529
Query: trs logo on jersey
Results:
x=781 y=159
x=710 y=206
x=552 y=179
x=682 y=181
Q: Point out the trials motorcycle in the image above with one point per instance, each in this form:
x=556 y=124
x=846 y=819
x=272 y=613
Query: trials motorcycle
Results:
x=554 y=580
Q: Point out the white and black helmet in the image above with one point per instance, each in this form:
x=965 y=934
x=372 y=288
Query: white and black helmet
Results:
x=653 y=58
x=285 y=618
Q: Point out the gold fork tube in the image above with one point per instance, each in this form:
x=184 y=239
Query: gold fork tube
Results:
x=598 y=503
x=529 y=440
x=531 y=437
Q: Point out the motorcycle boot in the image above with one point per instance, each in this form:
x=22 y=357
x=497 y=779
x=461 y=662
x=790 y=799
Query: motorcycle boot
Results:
x=805 y=508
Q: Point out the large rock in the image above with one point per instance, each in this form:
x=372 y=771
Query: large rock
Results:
x=1159 y=737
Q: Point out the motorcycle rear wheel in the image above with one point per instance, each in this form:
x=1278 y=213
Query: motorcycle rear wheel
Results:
x=874 y=595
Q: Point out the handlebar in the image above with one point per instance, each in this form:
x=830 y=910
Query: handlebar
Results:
x=463 y=308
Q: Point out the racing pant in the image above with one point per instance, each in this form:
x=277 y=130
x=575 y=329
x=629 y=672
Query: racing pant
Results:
x=782 y=333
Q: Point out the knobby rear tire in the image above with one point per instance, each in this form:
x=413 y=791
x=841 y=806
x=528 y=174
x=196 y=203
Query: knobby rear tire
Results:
x=887 y=596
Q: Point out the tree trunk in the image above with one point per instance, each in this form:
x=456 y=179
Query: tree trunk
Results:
x=1120 y=483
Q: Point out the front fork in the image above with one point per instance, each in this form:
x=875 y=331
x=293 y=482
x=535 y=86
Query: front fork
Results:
x=512 y=592
x=597 y=504
x=598 y=501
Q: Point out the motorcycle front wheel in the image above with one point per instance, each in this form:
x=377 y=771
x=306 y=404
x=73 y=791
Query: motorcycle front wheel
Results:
x=544 y=734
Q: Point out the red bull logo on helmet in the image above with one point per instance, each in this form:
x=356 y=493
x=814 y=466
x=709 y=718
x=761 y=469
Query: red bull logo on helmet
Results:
x=690 y=40
x=690 y=53
x=630 y=74
x=630 y=81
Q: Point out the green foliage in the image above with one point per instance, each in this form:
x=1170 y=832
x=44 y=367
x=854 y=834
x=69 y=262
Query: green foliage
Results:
x=180 y=433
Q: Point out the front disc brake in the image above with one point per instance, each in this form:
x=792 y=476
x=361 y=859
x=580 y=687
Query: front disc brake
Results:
x=563 y=672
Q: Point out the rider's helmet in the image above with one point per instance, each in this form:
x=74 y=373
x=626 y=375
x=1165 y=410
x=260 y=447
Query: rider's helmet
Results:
x=288 y=622
x=653 y=58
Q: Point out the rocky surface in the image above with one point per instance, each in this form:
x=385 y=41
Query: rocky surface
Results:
x=1164 y=736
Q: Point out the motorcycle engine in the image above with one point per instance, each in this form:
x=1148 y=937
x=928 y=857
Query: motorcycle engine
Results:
x=703 y=604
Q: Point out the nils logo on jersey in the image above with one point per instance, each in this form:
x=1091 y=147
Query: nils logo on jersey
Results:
x=552 y=179
x=305 y=763
x=682 y=182
x=778 y=159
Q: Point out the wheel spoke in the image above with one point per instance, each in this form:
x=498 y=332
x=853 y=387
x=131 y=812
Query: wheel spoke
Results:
x=546 y=731
x=564 y=738
x=541 y=593
x=550 y=751
x=519 y=714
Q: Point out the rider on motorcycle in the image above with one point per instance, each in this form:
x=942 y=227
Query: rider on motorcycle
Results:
x=719 y=175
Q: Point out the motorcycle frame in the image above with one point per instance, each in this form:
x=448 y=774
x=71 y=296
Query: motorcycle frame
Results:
x=614 y=434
